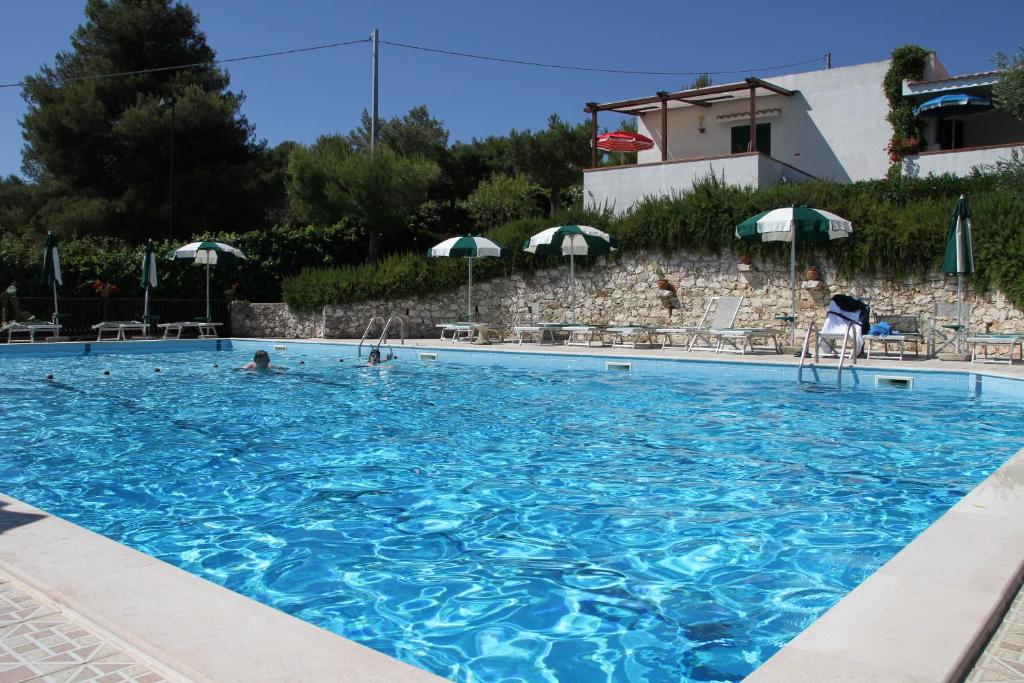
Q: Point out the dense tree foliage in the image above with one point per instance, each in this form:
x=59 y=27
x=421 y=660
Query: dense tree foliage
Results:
x=1008 y=93
x=380 y=191
x=101 y=146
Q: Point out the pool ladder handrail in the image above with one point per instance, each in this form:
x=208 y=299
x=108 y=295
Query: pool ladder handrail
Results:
x=387 y=326
x=813 y=327
x=369 y=325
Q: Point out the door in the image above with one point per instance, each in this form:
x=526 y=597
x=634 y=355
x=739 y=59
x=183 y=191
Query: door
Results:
x=741 y=139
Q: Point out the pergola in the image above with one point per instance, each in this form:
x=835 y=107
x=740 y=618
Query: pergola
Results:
x=698 y=97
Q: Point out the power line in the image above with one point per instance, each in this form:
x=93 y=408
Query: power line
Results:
x=451 y=53
x=213 y=62
x=599 y=69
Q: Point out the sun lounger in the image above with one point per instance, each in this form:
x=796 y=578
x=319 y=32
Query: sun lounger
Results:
x=454 y=332
x=686 y=331
x=987 y=340
x=740 y=339
x=726 y=309
x=845 y=315
x=206 y=330
x=31 y=329
x=631 y=335
x=119 y=328
x=905 y=330
x=584 y=335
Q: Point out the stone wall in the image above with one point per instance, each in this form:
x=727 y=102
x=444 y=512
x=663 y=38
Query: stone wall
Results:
x=623 y=289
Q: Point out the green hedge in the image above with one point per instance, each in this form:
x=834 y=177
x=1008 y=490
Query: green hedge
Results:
x=900 y=228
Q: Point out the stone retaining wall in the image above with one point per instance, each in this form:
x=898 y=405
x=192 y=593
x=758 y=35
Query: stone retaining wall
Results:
x=623 y=290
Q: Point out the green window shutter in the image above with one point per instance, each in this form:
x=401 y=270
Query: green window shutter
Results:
x=740 y=139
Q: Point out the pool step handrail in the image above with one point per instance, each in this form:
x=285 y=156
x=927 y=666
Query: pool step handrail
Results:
x=383 y=339
x=369 y=325
x=803 y=352
x=813 y=327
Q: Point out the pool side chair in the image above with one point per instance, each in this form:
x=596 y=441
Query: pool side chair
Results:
x=631 y=336
x=1007 y=340
x=945 y=334
x=686 y=332
x=838 y=323
x=30 y=328
x=534 y=329
x=455 y=332
x=119 y=329
x=906 y=329
x=724 y=318
x=584 y=335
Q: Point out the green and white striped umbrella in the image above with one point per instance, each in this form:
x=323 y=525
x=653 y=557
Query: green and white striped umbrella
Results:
x=959 y=258
x=148 y=280
x=51 y=274
x=208 y=254
x=468 y=247
x=571 y=241
x=794 y=224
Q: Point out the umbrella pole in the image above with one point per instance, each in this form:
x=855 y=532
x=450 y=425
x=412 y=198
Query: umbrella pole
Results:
x=959 y=312
x=207 y=287
x=145 y=311
x=469 y=295
x=56 y=313
x=792 y=284
x=572 y=274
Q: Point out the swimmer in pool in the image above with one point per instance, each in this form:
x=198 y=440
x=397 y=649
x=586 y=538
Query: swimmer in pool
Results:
x=260 y=361
x=374 y=358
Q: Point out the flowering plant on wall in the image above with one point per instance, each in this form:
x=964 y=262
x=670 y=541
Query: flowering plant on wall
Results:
x=104 y=289
x=897 y=149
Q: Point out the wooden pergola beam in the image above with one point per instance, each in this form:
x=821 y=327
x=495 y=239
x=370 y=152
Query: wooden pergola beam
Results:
x=684 y=95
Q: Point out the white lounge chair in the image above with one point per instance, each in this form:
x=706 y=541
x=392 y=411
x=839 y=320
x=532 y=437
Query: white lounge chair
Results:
x=906 y=329
x=631 y=336
x=206 y=330
x=726 y=309
x=535 y=330
x=685 y=331
x=456 y=331
x=31 y=328
x=119 y=328
x=1007 y=340
x=584 y=335
x=840 y=325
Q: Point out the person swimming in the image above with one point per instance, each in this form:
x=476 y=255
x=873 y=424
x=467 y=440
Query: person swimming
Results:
x=261 y=361
x=374 y=358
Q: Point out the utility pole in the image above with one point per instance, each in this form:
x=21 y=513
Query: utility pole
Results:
x=828 y=60
x=374 y=110
x=169 y=102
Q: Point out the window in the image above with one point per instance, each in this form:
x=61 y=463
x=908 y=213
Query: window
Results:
x=951 y=134
x=741 y=138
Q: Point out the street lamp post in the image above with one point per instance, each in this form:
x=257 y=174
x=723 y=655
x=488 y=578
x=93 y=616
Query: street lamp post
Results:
x=166 y=102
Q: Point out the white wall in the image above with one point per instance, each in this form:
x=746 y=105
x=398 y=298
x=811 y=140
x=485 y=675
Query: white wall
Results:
x=618 y=189
x=957 y=162
x=834 y=128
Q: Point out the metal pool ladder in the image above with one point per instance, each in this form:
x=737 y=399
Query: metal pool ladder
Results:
x=386 y=326
x=813 y=327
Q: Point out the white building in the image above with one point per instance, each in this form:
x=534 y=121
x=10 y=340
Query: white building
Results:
x=829 y=124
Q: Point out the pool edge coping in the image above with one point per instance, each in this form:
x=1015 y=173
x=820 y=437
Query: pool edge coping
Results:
x=927 y=613
x=196 y=629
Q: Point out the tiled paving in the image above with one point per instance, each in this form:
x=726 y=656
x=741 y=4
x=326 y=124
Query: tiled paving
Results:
x=39 y=643
x=1003 y=658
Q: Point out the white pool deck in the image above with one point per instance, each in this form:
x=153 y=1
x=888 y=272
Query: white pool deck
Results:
x=923 y=616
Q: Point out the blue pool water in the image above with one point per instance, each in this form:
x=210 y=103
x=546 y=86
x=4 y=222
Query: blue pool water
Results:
x=490 y=523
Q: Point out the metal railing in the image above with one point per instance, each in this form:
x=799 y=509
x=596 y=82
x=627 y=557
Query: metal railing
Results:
x=369 y=326
x=847 y=334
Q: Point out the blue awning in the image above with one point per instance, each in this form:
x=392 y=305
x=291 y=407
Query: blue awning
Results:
x=953 y=104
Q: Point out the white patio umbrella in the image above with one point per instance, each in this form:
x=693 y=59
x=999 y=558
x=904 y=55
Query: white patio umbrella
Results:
x=468 y=247
x=571 y=241
x=208 y=254
x=794 y=224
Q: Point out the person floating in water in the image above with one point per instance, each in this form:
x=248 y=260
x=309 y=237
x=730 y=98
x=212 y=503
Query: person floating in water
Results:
x=375 y=358
x=261 y=361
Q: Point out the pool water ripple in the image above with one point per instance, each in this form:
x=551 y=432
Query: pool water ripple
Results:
x=491 y=524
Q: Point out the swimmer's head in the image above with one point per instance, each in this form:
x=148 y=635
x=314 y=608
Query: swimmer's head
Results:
x=375 y=356
x=261 y=359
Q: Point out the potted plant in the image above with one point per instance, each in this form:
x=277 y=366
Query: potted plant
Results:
x=745 y=259
x=813 y=274
x=663 y=283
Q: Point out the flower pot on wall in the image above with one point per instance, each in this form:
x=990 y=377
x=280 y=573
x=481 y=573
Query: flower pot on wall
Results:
x=745 y=259
x=666 y=285
x=813 y=274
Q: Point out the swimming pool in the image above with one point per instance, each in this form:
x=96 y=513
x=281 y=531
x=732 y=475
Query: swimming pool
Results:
x=501 y=520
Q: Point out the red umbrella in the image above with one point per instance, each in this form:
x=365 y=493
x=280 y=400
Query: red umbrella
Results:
x=624 y=141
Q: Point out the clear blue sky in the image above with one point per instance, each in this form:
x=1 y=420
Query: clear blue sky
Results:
x=300 y=97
